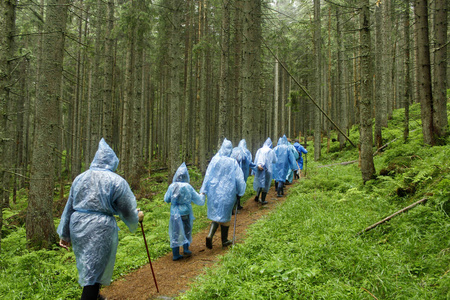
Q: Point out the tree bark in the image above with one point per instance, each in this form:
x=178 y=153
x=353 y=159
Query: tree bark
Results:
x=40 y=228
x=424 y=71
x=366 y=139
x=317 y=77
x=440 y=121
x=107 y=109
x=407 y=49
x=175 y=88
x=379 y=89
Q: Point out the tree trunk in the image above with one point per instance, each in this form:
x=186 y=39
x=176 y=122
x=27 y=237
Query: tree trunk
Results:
x=440 y=121
x=366 y=139
x=40 y=228
x=407 y=49
x=128 y=102
x=251 y=73
x=424 y=71
x=317 y=77
x=379 y=97
x=175 y=88
x=340 y=82
x=7 y=31
x=107 y=110
x=136 y=149
x=223 y=82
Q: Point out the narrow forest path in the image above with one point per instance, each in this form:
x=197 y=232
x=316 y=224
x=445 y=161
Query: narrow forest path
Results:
x=174 y=277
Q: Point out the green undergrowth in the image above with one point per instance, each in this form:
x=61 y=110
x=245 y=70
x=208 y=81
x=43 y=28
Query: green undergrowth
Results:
x=52 y=274
x=314 y=247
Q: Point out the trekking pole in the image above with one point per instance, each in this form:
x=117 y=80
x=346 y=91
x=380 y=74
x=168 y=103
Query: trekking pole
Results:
x=148 y=254
x=235 y=217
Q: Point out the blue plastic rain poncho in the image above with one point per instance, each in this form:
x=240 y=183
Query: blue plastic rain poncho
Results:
x=265 y=157
x=300 y=149
x=290 y=174
x=180 y=194
x=247 y=162
x=223 y=181
x=285 y=160
x=88 y=220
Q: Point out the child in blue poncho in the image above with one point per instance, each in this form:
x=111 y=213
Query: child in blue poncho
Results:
x=180 y=194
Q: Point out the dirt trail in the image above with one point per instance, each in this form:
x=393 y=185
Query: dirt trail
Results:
x=173 y=277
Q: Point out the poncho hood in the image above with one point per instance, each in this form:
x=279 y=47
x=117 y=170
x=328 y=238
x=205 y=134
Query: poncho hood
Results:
x=268 y=143
x=243 y=144
x=105 y=158
x=226 y=148
x=182 y=174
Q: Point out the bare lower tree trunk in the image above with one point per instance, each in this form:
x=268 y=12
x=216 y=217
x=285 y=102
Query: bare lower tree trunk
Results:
x=340 y=82
x=175 y=88
x=367 y=165
x=317 y=77
x=424 y=71
x=440 y=121
x=223 y=83
x=107 y=124
x=7 y=31
x=40 y=228
x=378 y=77
x=407 y=49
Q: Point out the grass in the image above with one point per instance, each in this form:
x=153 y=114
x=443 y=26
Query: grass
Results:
x=307 y=249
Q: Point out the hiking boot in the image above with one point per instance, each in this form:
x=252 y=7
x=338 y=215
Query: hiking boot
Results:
x=176 y=254
x=224 y=235
x=263 y=199
x=186 y=251
x=212 y=231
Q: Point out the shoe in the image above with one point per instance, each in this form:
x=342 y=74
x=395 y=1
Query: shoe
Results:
x=212 y=231
x=186 y=251
x=263 y=199
x=176 y=254
x=224 y=235
x=240 y=207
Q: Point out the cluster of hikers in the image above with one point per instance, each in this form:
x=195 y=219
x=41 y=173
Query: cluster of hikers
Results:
x=224 y=184
x=98 y=194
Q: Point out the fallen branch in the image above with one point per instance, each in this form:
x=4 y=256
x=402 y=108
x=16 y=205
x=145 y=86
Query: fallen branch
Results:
x=393 y=215
x=384 y=146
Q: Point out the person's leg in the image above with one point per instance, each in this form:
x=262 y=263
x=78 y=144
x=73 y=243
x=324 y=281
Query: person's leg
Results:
x=263 y=198
x=224 y=235
x=258 y=192
x=187 y=232
x=212 y=231
x=91 y=292
x=239 y=202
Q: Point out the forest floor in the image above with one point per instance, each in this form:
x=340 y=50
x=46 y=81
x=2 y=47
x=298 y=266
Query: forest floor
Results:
x=174 y=277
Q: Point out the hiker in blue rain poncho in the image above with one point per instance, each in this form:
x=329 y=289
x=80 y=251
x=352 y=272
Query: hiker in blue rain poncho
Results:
x=88 y=220
x=244 y=158
x=285 y=161
x=300 y=149
x=223 y=181
x=180 y=194
x=291 y=173
x=264 y=160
